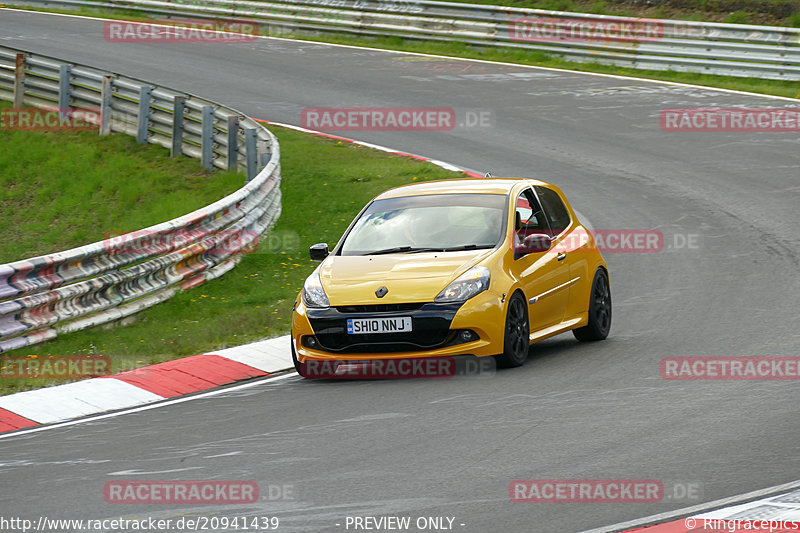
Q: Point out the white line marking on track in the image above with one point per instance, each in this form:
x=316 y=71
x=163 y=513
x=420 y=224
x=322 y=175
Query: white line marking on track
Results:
x=149 y=472
x=229 y=454
x=443 y=164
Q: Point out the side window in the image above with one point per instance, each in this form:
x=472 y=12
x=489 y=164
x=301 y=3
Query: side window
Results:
x=529 y=218
x=529 y=215
x=529 y=225
x=524 y=212
x=554 y=208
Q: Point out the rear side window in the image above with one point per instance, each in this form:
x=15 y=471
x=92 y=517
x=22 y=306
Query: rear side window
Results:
x=554 y=209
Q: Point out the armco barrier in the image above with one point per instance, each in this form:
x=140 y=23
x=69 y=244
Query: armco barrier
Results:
x=67 y=291
x=712 y=48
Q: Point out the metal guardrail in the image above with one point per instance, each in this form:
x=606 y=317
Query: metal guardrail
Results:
x=711 y=48
x=44 y=296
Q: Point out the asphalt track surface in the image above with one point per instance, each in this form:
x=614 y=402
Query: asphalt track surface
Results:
x=574 y=411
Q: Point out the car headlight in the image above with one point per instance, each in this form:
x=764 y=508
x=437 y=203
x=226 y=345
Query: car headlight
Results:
x=472 y=282
x=313 y=293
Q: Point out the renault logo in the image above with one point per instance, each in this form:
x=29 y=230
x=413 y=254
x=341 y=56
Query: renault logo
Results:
x=380 y=293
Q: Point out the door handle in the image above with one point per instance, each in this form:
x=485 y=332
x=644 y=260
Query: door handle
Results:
x=562 y=256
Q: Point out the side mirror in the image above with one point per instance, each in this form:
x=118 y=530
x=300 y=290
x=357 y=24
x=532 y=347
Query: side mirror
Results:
x=319 y=251
x=536 y=243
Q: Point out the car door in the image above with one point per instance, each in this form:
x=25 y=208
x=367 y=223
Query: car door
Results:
x=566 y=242
x=542 y=274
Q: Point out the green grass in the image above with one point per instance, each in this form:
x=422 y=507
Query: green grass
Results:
x=765 y=12
x=321 y=195
x=738 y=17
x=59 y=190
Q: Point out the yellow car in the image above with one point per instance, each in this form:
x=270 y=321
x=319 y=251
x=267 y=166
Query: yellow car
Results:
x=481 y=267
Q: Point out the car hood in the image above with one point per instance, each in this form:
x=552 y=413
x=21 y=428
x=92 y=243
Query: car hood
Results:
x=410 y=278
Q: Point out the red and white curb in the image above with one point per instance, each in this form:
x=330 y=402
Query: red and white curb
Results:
x=775 y=509
x=443 y=164
x=144 y=385
x=777 y=514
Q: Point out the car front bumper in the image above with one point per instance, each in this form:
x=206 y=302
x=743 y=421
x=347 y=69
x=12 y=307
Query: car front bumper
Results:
x=321 y=334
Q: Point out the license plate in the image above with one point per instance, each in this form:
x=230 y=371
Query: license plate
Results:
x=358 y=326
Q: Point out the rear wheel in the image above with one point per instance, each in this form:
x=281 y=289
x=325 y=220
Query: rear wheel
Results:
x=599 y=310
x=516 y=341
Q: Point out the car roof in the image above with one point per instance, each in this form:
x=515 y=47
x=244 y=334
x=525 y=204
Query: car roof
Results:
x=462 y=185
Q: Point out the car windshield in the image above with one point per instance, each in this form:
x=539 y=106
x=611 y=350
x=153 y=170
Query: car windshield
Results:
x=436 y=222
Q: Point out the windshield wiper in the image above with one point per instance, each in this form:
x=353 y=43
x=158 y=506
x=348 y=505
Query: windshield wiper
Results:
x=469 y=247
x=403 y=249
x=413 y=250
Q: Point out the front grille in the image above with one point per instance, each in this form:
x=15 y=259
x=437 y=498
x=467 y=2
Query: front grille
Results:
x=430 y=323
x=378 y=308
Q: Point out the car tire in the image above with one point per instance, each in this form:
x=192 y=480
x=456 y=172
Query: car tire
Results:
x=516 y=338
x=327 y=373
x=599 y=310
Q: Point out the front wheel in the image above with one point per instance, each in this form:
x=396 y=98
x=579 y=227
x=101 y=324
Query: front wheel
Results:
x=517 y=340
x=599 y=310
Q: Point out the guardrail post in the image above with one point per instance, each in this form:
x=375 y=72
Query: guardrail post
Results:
x=250 y=138
x=233 y=142
x=178 y=105
x=64 y=78
x=207 y=139
x=19 y=81
x=105 y=105
x=143 y=120
x=264 y=151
